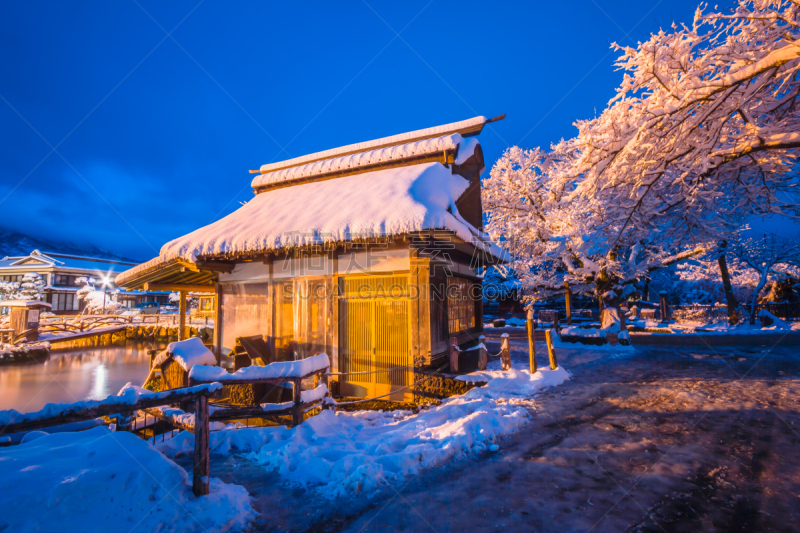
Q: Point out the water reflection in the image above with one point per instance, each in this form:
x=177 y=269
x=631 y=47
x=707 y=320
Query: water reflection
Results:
x=74 y=374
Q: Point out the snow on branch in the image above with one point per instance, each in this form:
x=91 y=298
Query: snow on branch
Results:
x=701 y=135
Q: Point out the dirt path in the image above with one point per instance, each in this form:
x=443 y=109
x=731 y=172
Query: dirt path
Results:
x=682 y=439
x=662 y=440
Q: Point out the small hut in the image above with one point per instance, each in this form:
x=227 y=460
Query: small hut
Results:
x=25 y=315
x=368 y=252
x=178 y=359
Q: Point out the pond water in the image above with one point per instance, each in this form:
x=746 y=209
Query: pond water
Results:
x=73 y=374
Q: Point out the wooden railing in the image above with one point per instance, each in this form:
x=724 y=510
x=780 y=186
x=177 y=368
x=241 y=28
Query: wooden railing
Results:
x=296 y=408
x=171 y=319
x=124 y=412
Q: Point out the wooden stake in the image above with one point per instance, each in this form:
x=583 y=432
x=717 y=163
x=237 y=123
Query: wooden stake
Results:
x=548 y=336
x=182 y=318
x=505 y=352
x=483 y=355
x=202 y=460
x=297 y=411
x=568 y=300
x=531 y=341
x=453 y=354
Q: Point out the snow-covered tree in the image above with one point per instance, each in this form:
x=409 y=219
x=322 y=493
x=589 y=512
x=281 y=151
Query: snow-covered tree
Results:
x=768 y=256
x=9 y=290
x=31 y=287
x=96 y=301
x=701 y=134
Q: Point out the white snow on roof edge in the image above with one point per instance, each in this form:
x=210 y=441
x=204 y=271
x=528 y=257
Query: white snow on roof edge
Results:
x=361 y=159
x=367 y=145
x=381 y=203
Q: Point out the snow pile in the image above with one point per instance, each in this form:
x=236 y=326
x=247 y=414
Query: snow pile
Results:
x=19 y=349
x=187 y=354
x=349 y=452
x=436 y=145
x=283 y=369
x=583 y=332
x=101 y=481
x=596 y=343
x=436 y=131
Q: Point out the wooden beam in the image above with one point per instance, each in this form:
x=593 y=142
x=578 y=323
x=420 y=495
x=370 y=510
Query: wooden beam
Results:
x=158 y=413
x=79 y=414
x=178 y=287
x=182 y=318
x=216 y=266
x=218 y=322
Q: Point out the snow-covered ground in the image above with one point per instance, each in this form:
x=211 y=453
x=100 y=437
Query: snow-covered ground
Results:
x=102 y=481
x=350 y=452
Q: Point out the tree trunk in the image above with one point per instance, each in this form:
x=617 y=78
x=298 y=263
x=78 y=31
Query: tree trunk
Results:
x=733 y=316
x=761 y=282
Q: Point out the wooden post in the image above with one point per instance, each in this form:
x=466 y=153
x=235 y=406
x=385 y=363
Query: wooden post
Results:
x=664 y=306
x=218 y=319
x=182 y=317
x=297 y=410
x=568 y=300
x=202 y=460
x=453 y=354
x=531 y=340
x=483 y=354
x=548 y=336
x=505 y=352
x=125 y=419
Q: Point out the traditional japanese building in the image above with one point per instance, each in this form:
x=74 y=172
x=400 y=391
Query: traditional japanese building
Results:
x=369 y=252
x=60 y=273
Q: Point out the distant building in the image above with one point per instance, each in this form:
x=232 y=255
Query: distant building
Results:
x=60 y=273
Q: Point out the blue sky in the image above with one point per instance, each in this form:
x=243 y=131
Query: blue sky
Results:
x=158 y=109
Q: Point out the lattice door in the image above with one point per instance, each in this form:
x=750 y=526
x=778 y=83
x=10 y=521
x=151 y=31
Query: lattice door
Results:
x=374 y=334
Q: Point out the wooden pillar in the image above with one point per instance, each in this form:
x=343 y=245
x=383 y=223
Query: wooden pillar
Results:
x=568 y=300
x=202 y=460
x=453 y=354
x=419 y=309
x=664 y=305
x=297 y=410
x=218 y=321
x=548 y=336
x=182 y=317
x=483 y=354
x=531 y=340
x=505 y=352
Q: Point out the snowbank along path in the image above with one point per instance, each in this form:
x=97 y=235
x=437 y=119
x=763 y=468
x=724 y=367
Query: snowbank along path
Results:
x=349 y=452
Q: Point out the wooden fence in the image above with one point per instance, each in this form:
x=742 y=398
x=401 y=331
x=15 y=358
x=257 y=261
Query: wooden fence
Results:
x=199 y=392
x=81 y=411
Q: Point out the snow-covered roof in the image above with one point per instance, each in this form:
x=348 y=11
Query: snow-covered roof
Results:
x=375 y=204
x=352 y=161
x=187 y=354
x=24 y=303
x=402 y=138
x=91 y=265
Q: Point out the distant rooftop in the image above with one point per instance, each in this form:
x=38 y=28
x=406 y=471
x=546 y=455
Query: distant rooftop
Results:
x=56 y=260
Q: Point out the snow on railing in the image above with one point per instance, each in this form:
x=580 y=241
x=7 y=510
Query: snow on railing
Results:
x=276 y=372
